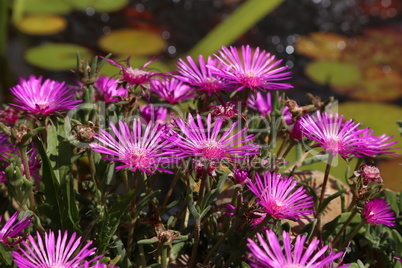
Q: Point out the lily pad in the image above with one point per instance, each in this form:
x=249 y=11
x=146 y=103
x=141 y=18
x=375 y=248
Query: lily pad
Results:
x=135 y=62
x=380 y=117
x=56 y=57
x=100 y=5
x=377 y=84
x=333 y=73
x=132 y=42
x=328 y=46
x=42 y=24
x=47 y=6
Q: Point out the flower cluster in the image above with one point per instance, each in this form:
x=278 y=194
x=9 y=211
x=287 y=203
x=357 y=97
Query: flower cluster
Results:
x=188 y=168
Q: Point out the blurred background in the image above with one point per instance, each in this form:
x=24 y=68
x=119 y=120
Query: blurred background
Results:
x=349 y=49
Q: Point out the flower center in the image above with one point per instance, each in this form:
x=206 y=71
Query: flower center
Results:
x=250 y=79
x=211 y=85
x=333 y=144
x=276 y=209
x=211 y=149
x=138 y=157
x=135 y=76
x=292 y=265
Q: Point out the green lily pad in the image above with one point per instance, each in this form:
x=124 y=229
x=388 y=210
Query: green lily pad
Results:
x=132 y=42
x=323 y=46
x=42 y=24
x=56 y=57
x=375 y=85
x=135 y=62
x=100 y=5
x=47 y=6
x=333 y=73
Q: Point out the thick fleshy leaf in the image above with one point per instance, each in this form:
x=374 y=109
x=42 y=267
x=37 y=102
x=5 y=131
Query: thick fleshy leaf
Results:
x=132 y=42
x=42 y=24
x=56 y=57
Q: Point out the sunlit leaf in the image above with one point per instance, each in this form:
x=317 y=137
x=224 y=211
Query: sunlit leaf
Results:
x=132 y=42
x=99 y=5
x=56 y=57
x=42 y=24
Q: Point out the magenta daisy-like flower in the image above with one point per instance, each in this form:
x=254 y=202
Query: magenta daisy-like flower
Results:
x=172 y=90
x=261 y=103
x=145 y=150
x=280 y=197
x=334 y=135
x=206 y=141
x=108 y=88
x=256 y=69
x=375 y=145
x=14 y=228
x=135 y=76
x=200 y=76
x=270 y=254
x=52 y=251
x=43 y=97
x=378 y=211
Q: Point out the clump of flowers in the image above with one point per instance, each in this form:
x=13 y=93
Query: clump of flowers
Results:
x=203 y=166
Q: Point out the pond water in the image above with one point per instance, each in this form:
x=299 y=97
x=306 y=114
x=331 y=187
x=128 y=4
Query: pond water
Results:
x=183 y=23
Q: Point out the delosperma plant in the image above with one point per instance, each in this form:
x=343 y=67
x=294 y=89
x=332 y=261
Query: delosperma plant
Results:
x=191 y=168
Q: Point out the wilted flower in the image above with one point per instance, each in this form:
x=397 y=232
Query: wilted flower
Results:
x=172 y=90
x=43 y=98
x=200 y=76
x=378 y=211
x=369 y=174
x=196 y=140
x=280 y=197
x=135 y=148
x=240 y=176
x=134 y=76
x=156 y=114
x=270 y=253
x=226 y=111
x=108 y=88
x=14 y=228
x=254 y=70
x=9 y=115
x=63 y=252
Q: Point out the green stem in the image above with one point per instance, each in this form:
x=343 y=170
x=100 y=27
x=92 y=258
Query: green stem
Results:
x=346 y=223
x=169 y=192
x=142 y=256
x=323 y=188
x=164 y=256
x=196 y=234
x=27 y=173
x=355 y=231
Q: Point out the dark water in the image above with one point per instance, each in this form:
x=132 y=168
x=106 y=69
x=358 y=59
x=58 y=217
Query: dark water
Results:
x=182 y=23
